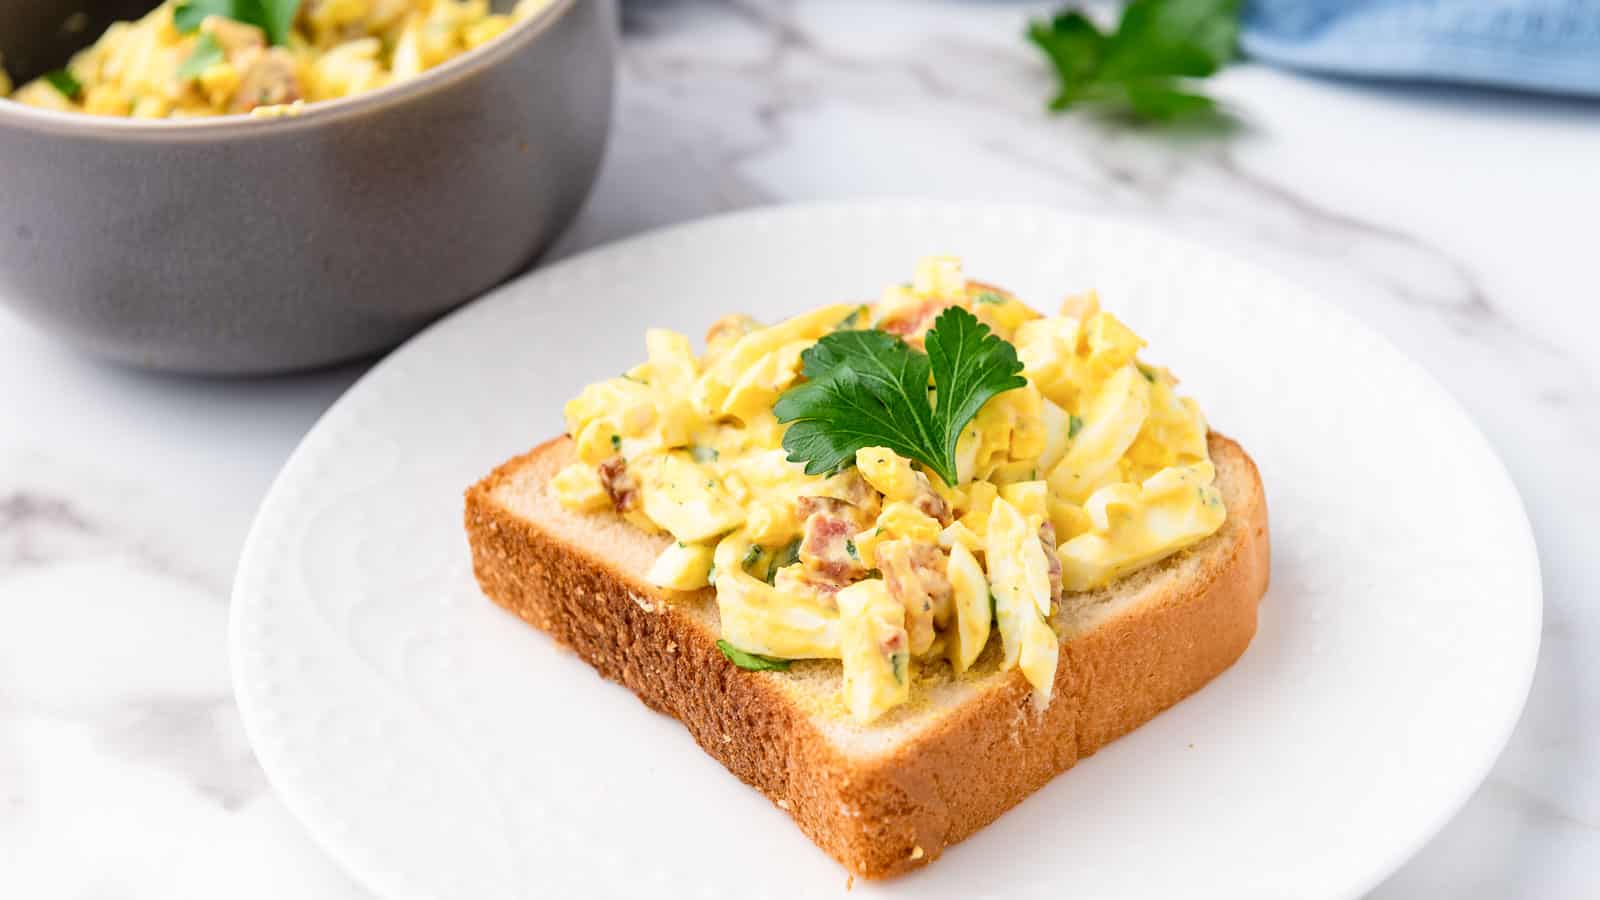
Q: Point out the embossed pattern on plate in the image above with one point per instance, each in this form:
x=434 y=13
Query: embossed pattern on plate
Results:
x=439 y=748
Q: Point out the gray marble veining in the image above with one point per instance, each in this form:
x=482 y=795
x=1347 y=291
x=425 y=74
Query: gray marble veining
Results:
x=1458 y=223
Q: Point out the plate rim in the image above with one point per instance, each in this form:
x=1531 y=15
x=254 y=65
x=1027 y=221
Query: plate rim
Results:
x=375 y=878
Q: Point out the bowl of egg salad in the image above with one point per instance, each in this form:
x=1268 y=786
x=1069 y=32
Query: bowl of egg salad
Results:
x=258 y=186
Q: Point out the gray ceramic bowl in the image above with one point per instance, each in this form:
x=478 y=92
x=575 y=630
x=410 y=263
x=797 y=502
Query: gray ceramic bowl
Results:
x=238 y=246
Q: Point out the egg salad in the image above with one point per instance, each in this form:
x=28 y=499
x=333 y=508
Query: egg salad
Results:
x=188 y=58
x=889 y=484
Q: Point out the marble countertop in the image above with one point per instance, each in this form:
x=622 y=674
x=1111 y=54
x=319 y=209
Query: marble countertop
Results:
x=1459 y=223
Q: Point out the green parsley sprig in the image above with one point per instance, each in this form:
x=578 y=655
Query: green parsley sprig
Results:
x=1146 y=65
x=271 y=16
x=871 y=389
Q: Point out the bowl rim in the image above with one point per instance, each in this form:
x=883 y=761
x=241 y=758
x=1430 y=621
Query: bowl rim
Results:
x=239 y=125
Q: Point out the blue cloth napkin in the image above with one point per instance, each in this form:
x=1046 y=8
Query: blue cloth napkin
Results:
x=1549 y=45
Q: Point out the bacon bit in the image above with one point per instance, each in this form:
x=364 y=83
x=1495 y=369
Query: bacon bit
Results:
x=932 y=563
x=930 y=503
x=860 y=509
x=1047 y=537
x=854 y=490
x=806 y=507
x=825 y=547
x=618 y=483
x=912 y=322
x=800 y=580
x=267 y=79
x=914 y=574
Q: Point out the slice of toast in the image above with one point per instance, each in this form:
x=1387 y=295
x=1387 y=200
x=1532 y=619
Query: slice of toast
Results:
x=889 y=796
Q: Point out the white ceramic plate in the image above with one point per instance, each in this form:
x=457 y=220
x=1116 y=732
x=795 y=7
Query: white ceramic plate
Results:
x=440 y=748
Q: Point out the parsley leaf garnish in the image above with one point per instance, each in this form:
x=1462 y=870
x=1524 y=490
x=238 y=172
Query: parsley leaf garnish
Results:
x=64 y=83
x=271 y=16
x=187 y=16
x=755 y=662
x=870 y=389
x=1141 y=67
x=207 y=53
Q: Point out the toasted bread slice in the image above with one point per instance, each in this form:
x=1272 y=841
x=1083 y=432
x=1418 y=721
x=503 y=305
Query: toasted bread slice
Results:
x=889 y=796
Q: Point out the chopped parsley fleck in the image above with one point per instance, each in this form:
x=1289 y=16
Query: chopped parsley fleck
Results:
x=788 y=556
x=751 y=556
x=616 y=442
x=785 y=556
x=64 y=83
x=1074 y=425
x=850 y=548
x=990 y=297
x=753 y=662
